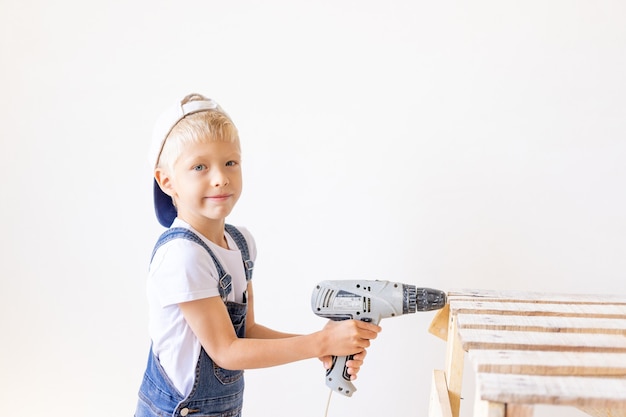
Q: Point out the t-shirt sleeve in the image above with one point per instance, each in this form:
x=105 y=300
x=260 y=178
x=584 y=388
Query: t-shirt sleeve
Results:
x=181 y=271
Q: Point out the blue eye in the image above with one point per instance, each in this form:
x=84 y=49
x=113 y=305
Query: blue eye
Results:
x=198 y=167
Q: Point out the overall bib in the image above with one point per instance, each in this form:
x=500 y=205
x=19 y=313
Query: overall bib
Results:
x=216 y=392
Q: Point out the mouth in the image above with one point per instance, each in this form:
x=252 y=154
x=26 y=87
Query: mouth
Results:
x=220 y=197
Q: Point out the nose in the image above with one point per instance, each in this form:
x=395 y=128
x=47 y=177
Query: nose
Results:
x=219 y=178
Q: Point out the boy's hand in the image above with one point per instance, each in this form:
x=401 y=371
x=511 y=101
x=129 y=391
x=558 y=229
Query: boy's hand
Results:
x=354 y=364
x=349 y=337
x=346 y=337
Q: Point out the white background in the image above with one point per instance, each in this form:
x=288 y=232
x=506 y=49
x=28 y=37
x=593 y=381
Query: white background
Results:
x=450 y=144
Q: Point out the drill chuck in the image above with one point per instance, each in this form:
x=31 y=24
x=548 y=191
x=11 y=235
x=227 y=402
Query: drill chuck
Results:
x=424 y=299
x=409 y=299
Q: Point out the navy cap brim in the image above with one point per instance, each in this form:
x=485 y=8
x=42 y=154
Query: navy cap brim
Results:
x=163 y=206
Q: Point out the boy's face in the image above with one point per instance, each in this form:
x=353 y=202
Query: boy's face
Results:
x=205 y=182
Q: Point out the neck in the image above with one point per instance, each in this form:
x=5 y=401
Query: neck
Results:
x=212 y=230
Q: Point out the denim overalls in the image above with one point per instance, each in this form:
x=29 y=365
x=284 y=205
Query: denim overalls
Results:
x=216 y=391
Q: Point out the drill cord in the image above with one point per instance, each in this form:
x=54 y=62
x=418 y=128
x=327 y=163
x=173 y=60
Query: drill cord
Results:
x=330 y=393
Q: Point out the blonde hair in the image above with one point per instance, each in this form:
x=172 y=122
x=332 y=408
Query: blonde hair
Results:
x=212 y=125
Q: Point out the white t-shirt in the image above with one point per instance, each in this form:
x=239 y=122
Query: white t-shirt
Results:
x=180 y=271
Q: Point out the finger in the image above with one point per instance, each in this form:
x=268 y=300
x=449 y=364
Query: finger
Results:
x=353 y=371
x=361 y=355
x=367 y=333
x=368 y=326
x=356 y=359
x=353 y=366
x=354 y=363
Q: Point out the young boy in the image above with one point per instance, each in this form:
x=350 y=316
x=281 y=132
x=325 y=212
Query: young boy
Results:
x=201 y=301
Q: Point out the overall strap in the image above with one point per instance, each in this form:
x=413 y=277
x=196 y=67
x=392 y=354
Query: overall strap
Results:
x=225 y=282
x=248 y=264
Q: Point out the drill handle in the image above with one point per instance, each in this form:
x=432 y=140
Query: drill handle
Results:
x=337 y=377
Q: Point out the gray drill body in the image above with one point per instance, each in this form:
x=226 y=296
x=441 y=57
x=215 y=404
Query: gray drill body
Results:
x=368 y=301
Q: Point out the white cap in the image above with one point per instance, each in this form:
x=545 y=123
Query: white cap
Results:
x=163 y=205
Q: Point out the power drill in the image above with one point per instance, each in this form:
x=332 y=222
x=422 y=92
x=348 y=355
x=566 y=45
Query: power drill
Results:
x=368 y=301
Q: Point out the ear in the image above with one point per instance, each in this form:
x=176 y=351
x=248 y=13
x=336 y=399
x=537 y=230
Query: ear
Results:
x=165 y=181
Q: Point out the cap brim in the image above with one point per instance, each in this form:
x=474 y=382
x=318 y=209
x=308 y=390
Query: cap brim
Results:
x=163 y=206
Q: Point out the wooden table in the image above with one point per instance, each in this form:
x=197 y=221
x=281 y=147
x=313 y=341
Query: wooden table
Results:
x=532 y=348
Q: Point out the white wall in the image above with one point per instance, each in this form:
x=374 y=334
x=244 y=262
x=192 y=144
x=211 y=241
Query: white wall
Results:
x=447 y=144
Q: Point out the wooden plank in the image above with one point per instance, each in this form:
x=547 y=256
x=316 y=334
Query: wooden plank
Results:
x=484 y=408
x=537 y=348
x=518 y=410
x=439 y=324
x=549 y=363
x=538 y=309
x=454 y=367
x=488 y=409
x=604 y=412
x=561 y=324
x=564 y=342
x=439 y=405
x=536 y=297
x=574 y=391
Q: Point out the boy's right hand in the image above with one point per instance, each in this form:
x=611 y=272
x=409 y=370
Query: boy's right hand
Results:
x=347 y=337
x=353 y=365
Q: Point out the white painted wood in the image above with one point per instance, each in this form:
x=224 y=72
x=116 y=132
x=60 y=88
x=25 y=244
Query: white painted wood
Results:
x=484 y=408
x=564 y=342
x=553 y=390
x=549 y=363
x=617 y=311
x=535 y=297
x=532 y=348
x=561 y=324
